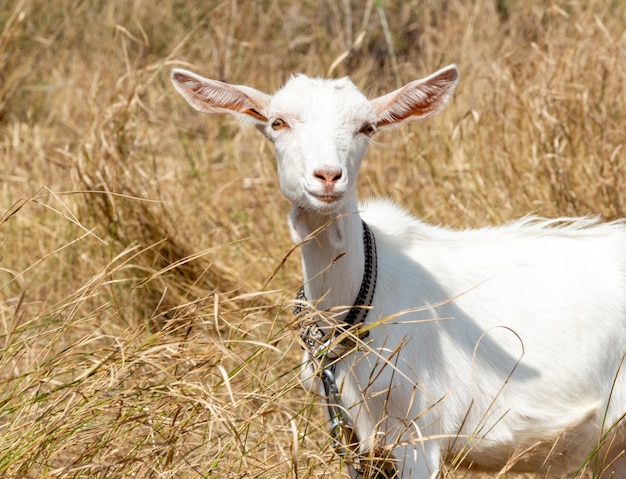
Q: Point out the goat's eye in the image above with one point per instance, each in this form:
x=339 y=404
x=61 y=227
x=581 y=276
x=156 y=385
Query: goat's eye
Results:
x=368 y=129
x=278 y=124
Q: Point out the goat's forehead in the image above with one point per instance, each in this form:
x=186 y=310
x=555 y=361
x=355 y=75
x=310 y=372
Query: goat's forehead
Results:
x=306 y=97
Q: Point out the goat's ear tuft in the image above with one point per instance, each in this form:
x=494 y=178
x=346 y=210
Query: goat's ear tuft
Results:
x=416 y=100
x=216 y=97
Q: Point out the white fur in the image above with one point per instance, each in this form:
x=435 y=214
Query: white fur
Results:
x=503 y=345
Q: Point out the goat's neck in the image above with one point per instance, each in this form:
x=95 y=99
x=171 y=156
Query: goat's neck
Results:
x=332 y=258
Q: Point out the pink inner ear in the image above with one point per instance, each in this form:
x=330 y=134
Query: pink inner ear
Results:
x=220 y=96
x=212 y=96
x=416 y=100
x=407 y=103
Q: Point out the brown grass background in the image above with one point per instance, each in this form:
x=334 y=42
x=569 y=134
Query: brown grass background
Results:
x=146 y=270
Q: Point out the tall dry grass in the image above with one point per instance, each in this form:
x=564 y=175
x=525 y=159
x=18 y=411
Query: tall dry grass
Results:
x=145 y=267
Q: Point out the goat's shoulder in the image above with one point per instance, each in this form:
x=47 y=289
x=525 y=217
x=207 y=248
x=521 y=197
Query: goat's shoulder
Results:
x=397 y=225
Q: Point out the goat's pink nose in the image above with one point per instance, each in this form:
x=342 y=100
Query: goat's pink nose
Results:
x=327 y=176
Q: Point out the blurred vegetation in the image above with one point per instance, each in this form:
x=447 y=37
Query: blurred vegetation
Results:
x=144 y=303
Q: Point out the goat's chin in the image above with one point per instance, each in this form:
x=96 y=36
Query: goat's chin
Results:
x=325 y=206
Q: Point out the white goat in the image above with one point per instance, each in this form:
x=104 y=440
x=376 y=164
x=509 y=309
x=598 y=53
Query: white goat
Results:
x=504 y=345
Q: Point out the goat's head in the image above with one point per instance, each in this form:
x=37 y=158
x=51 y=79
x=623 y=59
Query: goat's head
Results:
x=320 y=128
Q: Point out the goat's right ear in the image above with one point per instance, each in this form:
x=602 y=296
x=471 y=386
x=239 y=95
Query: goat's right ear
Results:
x=213 y=96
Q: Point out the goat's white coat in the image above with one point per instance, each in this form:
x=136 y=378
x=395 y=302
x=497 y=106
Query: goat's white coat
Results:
x=497 y=340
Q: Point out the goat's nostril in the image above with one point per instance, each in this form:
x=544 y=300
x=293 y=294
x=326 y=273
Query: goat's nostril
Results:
x=328 y=176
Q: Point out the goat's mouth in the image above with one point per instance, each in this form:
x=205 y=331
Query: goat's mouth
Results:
x=327 y=198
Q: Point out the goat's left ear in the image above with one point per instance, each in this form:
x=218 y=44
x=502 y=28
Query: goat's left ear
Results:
x=215 y=97
x=416 y=100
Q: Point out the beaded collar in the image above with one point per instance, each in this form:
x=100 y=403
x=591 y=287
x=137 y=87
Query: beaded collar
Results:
x=312 y=335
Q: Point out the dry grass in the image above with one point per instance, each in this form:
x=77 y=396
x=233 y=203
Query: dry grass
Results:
x=123 y=213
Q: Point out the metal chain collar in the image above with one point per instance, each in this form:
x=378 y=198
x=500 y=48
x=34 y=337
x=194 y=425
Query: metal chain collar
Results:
x=319 y=345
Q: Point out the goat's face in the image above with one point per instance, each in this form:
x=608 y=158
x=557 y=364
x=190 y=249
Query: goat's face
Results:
x=320 y=128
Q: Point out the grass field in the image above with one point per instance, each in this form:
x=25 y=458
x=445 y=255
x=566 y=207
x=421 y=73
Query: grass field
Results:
x=146 y=270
